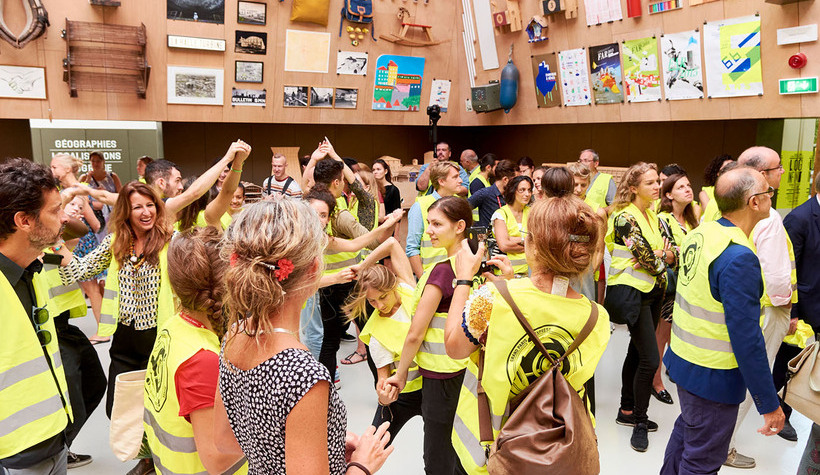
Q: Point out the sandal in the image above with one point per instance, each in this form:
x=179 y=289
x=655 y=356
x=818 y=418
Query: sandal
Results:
x=99 y=339
x=354 y=358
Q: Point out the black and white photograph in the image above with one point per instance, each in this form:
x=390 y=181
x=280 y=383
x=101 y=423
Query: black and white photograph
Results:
x=195 y=85
x=345 y=98
x=251 y=42
x=351 y=63
x=252 y=13
x=321 y=97
x=209 y=11
x=249 y=71
x=296 y=96
x=249 y=97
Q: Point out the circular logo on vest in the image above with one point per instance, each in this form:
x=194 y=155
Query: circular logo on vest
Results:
x=156 y=380
x=526 y=363
x=689 y=256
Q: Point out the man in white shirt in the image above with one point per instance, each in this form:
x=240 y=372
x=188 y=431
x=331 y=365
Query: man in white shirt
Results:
x=279 y=181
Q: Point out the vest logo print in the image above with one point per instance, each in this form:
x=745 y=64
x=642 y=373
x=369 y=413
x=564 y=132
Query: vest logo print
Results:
x=525 y=363
x=156 y=382
x=690 y=256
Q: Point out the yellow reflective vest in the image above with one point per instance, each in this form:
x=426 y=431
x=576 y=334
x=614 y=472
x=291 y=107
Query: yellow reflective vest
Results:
x=391 y=335
x=765 y=301
x=511 y=361
x=621 y=271
x=679 y=231
x=596 y=193
x=34 y=404
x=62 y=298
x=517 y=259
x=711 y=211
x=476 y=175
x=429 y=254
x=337 y=261
x=169 y=435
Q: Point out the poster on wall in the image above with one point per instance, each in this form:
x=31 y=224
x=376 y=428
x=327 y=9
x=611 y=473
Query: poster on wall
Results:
x=602 y=11
x=208 y=11
x=351 y=63
x=641 y=72
x=195 y=85
x=249 y=97
x=440 y=93
x=731 y=51
x=22 y=82
x=574 y=79
x=545 y=74
x=682 y=73
x=307 y=51
x=606 y=78
x=398 y=83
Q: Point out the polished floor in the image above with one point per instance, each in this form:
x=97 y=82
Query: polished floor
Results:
x=773 y=454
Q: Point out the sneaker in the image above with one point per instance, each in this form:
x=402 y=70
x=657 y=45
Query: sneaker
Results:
x=143 y=467
x=788 y=432
x=77 y=460
x=629 y=420
x=736 y=460
x=640 y=438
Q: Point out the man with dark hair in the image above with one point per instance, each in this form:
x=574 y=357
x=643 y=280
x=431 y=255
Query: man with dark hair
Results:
x=525 y=166
x=488 y=200
x=443 y=154
x=34 y=408
x=601 y=191
x=717 y=350
x=485 y=172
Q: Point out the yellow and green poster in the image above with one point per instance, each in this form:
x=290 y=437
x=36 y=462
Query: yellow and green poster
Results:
x=797 y=157
x=731 y=50
x=641 y=72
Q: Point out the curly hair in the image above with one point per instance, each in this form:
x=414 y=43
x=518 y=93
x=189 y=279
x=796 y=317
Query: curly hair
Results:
x=632 y=177
x=23 y=185
x=710 y=173
x=512 y=187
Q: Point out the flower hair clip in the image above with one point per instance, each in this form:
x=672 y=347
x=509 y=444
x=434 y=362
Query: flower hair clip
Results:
x=282 y=268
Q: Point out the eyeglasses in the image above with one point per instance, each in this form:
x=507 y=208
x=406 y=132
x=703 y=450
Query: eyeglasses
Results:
x=778 y=167
x=40 y=316
x=769 y=192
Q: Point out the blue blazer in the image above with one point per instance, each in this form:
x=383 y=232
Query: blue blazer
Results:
x=803 y=226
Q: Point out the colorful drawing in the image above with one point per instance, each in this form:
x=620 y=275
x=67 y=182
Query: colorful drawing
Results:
x=682 y=72
x=732 y=57
x=545 y=72
x=574 y=77
x=607 y=83
x=398 y=83
x=440 y=93
x=602 y=11
x=641 y=73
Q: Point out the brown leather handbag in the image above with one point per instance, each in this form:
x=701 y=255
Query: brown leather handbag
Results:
x=549 y=430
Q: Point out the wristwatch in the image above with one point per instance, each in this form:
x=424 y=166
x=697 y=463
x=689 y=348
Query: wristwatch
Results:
x=457 y=282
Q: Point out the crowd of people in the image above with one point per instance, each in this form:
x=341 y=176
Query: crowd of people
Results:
x=237 y=311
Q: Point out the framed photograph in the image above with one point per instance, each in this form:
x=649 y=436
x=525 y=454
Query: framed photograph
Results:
x=195 y=85
x=321 y=97
x=22 y=82
x=252 y=13
x=251 y=42
x=296 y=96
x=248 y=97
x=345 y=98
x=249 y=71
x=209 y=11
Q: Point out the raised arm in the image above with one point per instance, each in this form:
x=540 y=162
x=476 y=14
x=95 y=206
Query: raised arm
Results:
x=379 y=234
x=423 y=181
x=102 y=196
x=398 y=260
x=219 y=206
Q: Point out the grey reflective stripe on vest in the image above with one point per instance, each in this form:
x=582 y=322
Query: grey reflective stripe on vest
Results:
x=107 y=318
x=26 y=370
x=471 y=384
x=701 y=341
x=425 y=261
x=698 y=312
x=164 y=470
x=412 y=375
x=31 y=413
x=236 y=467
x=518 y=262
x=438 y=322
x=426 y=243
x=55 y=292
x=640 y=275
x=342 y=264
x=175 y=443
x=470 y=442
x=433 y=348
x=109 y=294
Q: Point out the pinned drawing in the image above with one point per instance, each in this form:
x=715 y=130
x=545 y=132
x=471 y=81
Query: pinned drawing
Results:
x=607 y=81
x=398 y=83
x=682 y=71
x=731 y=51
x=602 y=11
x=351 y=63
x=22 y=82
x=545 y=72
x=641 y=72
x=440 y=93
x=574 y=77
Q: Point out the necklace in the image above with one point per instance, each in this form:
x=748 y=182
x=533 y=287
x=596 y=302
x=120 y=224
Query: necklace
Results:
x=275 y=330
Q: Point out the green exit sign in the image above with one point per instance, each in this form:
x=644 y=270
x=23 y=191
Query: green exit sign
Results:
x=798 y=86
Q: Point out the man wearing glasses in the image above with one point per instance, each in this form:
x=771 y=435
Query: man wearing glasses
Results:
x=601 y=190
x=34 y=406
x=776 y=256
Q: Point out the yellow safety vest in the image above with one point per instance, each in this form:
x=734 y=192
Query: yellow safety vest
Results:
x=169 y=435
x=33 y=406
x=476 y=174
x=678 y=232
x=354 y=210
x=391 y=334
x=699 y=333
x=711 y=211
x=337 y=261
x=510 y=357
x=517 y=259
x=62 y=298
x=765 y=301
x=801 y=335
x=596 y=193
x=432 y=355
x=109 y=315
x=429 y=255
x=621 y=271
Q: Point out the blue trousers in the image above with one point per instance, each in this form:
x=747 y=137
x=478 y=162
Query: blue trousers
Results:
x=310 y=325
x=700 y=440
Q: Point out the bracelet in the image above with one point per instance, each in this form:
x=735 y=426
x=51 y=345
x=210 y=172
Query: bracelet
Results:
x=58 y=246
x=237 y=171
x=359 y=466
x=457 y=282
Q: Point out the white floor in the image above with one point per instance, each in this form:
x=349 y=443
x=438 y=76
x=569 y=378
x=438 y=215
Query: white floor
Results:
x=773 y=454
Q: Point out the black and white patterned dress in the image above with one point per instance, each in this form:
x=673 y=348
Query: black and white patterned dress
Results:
x=259 y=400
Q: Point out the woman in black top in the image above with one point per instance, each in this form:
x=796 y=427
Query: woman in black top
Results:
x=389 y=193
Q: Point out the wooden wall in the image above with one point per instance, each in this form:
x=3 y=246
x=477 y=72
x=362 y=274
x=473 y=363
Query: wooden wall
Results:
x=445 y=61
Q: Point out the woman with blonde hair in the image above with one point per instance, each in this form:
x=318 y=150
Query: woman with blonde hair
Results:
x=560 y=245
x=641 y=252
x=274 y=250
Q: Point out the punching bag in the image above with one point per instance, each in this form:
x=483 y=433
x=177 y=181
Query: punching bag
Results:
x=509 y=84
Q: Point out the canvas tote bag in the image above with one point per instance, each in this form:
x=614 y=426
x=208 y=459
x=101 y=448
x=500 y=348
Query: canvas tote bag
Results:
x=803 y=388
x=126 y=415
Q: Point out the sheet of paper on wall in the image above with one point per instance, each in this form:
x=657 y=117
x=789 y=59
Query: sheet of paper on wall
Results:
x=641 y=72
x=468 y=105
x=605 y=74
x=682 y=70
x=797 y=34
x=545 y=78
x=440 y=93
x=574 y=77
x=692 y=3
x=732 y=61
x=307 y=51
x=351 y=63
x=602 y=11
x=22 y=82
x=248 y=97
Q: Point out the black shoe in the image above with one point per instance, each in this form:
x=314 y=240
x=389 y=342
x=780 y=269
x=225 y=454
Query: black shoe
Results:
x=629 y=420
x=144 y=467
x=663 y=396
x=640 y=438
x=77 y=460
x=788 y=432
x=348 y=337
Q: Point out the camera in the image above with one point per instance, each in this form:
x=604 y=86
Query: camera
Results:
x=479 y=234
x=434 y=112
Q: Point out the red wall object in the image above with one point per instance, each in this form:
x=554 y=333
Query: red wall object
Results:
x=797 y=61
